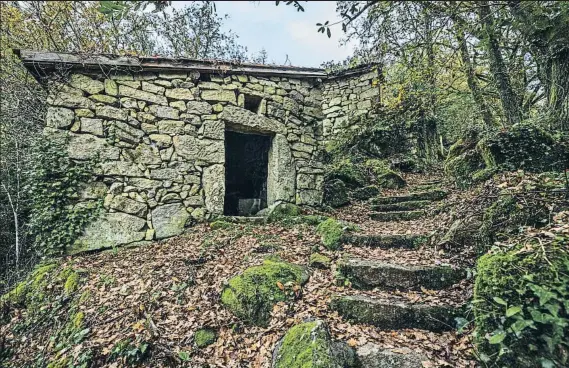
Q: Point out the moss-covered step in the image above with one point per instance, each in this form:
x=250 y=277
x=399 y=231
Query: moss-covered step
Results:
x=432 y=195
x=386 y=241
x=396 y=215
x=365 y=273
x=403 y=206
x=395 y=315
x=373 y=356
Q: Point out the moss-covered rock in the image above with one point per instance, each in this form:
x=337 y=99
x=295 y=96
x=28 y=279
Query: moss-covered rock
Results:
x=309 y=345
x=314 y=220
x=204 y=337
x=462 y=167
x=396 y=216
x=31 y=287
x=335 y=193
x=220 y=224
x=71 y=283
x=390 y=180
x=526 y=147
x=281 y=211
x=318 y=260
x=520 y=308
x=331 y=232
x=252 y=294
x=365 y=192
x=350 y=173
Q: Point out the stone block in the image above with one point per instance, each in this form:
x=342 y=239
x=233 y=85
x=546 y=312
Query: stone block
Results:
x=180 y=94
x=219 y=96
x=130 y=206
x=86 y=84
x=198 y=108
x=169 y=220
x=189 y=147
x=87 y=146
x=214 y=188
x=248 y=120
x=164 y=112
x=59 y=117
x=171 y=127
x=142 y=95
x=109 y=112
x=93 y=126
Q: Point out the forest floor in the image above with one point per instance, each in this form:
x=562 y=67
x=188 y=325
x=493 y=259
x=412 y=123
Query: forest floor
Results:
x=162 y=293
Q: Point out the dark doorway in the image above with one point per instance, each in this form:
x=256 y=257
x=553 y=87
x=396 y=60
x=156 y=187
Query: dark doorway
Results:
x=246 y=168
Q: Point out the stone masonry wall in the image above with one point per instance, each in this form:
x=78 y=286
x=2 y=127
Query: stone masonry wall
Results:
x=159 y=139
x=346 y=97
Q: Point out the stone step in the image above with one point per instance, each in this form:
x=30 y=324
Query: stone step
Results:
x=386 y=241
x=432 y=195
x=243 y=219
x=396 y=215
x=403 y=206
x=372 y=356
x=366 y=274
x=388 y=315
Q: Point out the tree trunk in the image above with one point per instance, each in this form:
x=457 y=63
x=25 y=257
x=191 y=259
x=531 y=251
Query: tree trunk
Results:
x=509 y=99
x=471 y=79
x=558 y=97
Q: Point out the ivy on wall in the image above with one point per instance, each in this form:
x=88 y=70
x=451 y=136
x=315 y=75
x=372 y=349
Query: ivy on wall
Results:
x=56 y=219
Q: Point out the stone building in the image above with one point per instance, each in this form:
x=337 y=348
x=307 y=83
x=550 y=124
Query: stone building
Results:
x=182 y=140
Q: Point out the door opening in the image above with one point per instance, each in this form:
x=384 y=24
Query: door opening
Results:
x=246 y=169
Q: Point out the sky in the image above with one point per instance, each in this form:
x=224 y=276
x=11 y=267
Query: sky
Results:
x=282 y=30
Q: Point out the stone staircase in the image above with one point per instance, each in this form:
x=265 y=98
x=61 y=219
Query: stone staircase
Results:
x=389 y=308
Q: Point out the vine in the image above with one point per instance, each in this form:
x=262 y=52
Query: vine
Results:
x=56 y=217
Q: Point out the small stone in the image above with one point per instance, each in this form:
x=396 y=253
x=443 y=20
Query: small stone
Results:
x=164 y=112
x=109 y=112
x=59 y=117
x=86 y=84
x=149 y=87
x=104 y=99
x=161 y=140
x=84 y=113
x=111 y=87
x=93 y=126
x=180 y=94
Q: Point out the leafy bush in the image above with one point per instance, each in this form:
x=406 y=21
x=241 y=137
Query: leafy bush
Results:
x=521 y=306
x=55 y=219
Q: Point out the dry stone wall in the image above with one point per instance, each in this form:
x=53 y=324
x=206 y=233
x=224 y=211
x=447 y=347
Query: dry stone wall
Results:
x=159 y=142
x=347 y=97
x=158 y=139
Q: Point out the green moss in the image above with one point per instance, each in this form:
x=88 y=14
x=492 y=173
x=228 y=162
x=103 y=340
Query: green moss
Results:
x=220 y=224
x=59 y=363
x=462 y=167
x=204 y=337
x=331 y=232
x=335 y=193
x=40 y=273
x=306 y=345
x=18 y=295
x=507 y=278
x=377 y=167
x=78 y=319
x=366 y=192
x=284 y=211
x=318 y=260
x=252 y=294
x=31 y=286
x=313 y=219
x=390 y=180
x=72 y=283
x=353 y=175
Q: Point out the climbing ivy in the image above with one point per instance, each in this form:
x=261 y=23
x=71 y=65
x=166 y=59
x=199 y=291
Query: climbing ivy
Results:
x=56 y=219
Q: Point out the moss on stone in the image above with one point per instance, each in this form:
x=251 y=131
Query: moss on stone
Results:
x=335 y=193
x=78 y=319
x=71 y=283
x=318 y=260
x=351 y=174
x=220 y=224
x=390 y=180
x=506 y=275
x=59 y=363
x=18 y=295
x=32 y=285
x=331 y=232
x=313 y=219
x=204 y=337
x=366 y=192
x=252 y=294
x=284 y=211
x=305 y=346
x=462 y=167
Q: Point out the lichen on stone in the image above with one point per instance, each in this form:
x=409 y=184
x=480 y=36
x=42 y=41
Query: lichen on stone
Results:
x=204 y=337
x=319 y=260
x=331 y=232
x=252 y=294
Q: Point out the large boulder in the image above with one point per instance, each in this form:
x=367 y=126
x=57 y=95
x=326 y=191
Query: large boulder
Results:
x=252 y=294
x=169 y=220
x=390 y=180
x=309 y=345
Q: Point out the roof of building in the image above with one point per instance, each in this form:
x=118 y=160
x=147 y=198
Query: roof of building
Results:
x=41 y=63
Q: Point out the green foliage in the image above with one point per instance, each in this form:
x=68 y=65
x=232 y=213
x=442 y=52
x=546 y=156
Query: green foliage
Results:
x=521 y=306
x=331 y=232
x=204 y=337
x=350 y=173
x=252 y=294
x=130 y=352
x=55 y=219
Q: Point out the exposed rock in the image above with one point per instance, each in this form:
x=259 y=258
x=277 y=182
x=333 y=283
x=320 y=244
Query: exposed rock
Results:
x=318 y=260
x=309 y=345
x=169 y=220
x=181 y=94
x=211 y=151
x=219 y=96
x=391 y=180
x=111 y=87
x=281 y=176
x=403 y=206
x=365 y=192
x=171 y=127
x=372 y=356
x=145 y=154
x=110 y=230
x=214 y=188
x=120 y=168
x=386 y=241
x=198 y=108
x=252 y=294
x=59 y=117
x=331 y=232
x=125 y=204
x=93 y=190
x=93 y=126
x=142 y=95
x=251 y=121
x=164 y=112
x=87 y=146
x=85 y=83
x=110 y=112
x=69 y=100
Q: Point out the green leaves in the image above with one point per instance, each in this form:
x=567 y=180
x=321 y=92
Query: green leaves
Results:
x=497 y=338
x=324 y=28
x=513 y=311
